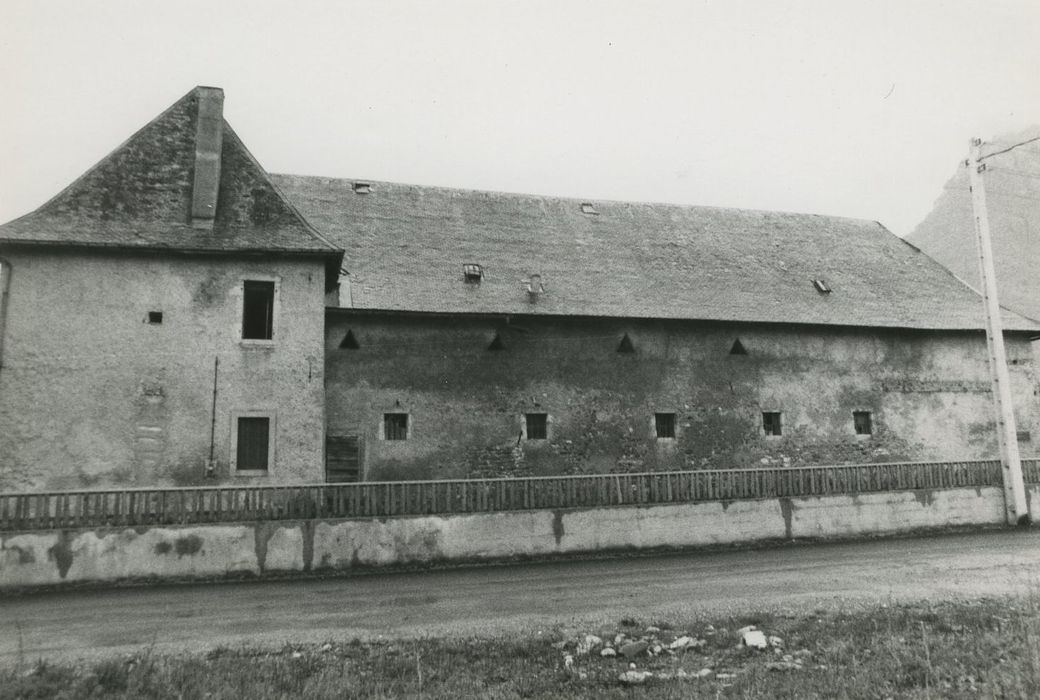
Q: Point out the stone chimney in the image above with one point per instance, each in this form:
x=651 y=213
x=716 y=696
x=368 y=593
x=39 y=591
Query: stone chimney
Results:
x=208 y=137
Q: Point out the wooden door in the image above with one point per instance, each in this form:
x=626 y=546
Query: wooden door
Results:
x=342 y=458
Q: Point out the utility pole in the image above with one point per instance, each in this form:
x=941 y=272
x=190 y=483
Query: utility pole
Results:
x=1015 y=505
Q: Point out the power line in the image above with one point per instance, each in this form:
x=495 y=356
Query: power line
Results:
x=965 y=190
x=1009 y=148
x=1023 y=173
x=1012 y=194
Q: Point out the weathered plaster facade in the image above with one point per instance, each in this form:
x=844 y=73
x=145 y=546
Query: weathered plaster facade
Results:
x=92 y=393
x=122 y=297
x=928 y=394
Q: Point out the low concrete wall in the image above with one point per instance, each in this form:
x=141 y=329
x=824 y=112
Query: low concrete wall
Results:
x=206 y=551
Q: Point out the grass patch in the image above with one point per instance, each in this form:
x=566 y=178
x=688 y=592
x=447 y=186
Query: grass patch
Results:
x=983 y=648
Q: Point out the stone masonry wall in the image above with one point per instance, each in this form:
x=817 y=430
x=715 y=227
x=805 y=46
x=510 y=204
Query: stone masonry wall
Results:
x=928 y=393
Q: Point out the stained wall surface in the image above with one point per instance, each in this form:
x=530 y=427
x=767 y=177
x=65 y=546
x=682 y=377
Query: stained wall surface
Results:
x=928 y=394
x=93 y=394
x=208 y=551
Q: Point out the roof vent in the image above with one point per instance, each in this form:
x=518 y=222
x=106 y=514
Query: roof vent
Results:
x=362 y=188
x=587 y=208
x=821 y=286
x=472 y=273
x=533 y=286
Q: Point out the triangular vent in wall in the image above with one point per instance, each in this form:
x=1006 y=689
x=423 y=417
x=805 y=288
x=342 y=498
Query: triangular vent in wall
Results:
x=738 y=348
x=496 y=343
x=349 y=341
x=625 y=345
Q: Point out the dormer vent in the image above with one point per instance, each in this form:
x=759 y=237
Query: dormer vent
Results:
x=821 y=286
x=362 y=188
x=472 y=273
x=209 y=136
x=533 y=286
x=587 y=208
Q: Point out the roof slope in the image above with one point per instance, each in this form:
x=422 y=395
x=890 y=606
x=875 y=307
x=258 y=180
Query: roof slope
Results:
x=1013 y=203
x=139 y=197
x=405 y=247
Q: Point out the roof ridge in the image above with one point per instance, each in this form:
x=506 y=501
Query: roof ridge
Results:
x=578 y=200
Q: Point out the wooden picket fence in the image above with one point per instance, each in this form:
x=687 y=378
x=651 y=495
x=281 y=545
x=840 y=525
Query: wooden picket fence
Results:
x=221 y=504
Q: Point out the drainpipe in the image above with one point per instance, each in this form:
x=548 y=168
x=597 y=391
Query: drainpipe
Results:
x=5 y=285
x=211 y=465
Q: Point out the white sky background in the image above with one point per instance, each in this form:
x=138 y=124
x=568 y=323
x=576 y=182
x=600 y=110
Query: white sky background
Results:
x=849 y=108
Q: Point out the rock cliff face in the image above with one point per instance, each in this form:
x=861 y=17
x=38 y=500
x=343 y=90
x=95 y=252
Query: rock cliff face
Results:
x=1013 y=196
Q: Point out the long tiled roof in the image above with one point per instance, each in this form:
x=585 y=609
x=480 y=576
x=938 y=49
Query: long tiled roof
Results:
x=406 y=245
x=140 y=195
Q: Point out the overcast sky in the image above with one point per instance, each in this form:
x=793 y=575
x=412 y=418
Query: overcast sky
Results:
x=850 y=108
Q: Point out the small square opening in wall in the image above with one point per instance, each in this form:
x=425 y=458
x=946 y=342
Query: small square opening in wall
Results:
x=155 y=317
x=821 y=286
x=665 y=425
x=395 y=426
x=537 y=426
x=863 y=422
x=771 y=423
x=589 y=208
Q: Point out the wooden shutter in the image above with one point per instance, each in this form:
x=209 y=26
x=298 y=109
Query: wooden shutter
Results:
x=253 y=441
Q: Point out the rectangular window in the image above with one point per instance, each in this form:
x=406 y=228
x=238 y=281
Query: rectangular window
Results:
x=537 y=426
x=863 y=422
x=253 y=443
x=395 y=426
x=771 y=422
x=257 y=310
x=665 y=423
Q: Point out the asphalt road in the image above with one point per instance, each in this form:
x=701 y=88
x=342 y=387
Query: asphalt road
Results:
x=523 y=597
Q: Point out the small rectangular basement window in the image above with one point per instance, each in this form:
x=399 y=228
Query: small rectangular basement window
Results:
x=587 y=208
x=665 y=425
x=253 y=441
x=362 y=188
x=257 y=310
x=395 y=426
x=863 y=422
x=472 y=273
x=821 y=286
x=537 y=426
x=155 y=317
x=771 y=422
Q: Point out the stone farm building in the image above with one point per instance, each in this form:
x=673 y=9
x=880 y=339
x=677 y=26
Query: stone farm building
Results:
x=177 y=316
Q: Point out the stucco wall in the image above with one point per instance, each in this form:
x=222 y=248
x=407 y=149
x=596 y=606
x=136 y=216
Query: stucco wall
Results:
x=92 y=394
x=205 y=551
x=929 y=394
